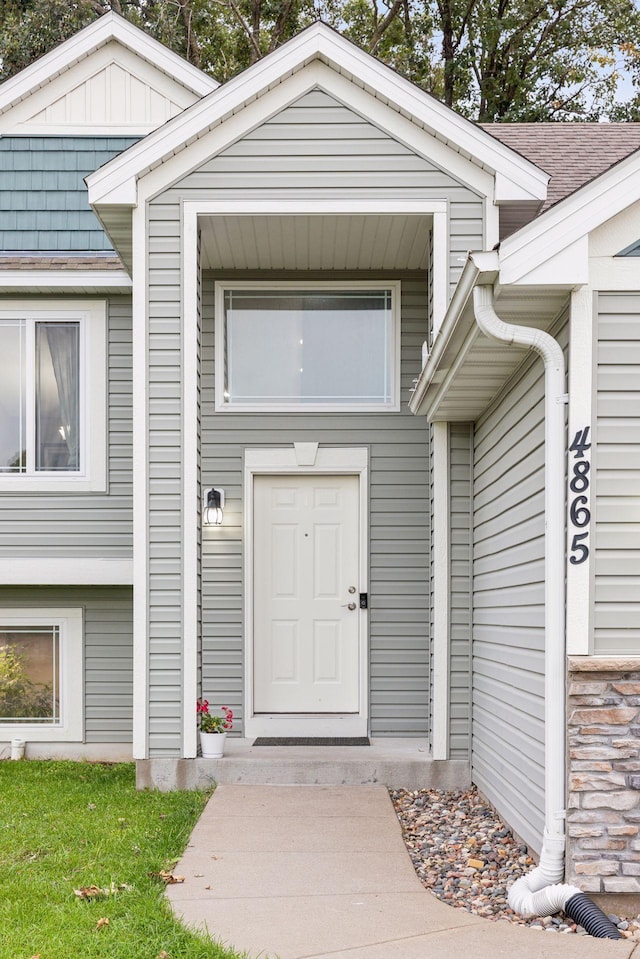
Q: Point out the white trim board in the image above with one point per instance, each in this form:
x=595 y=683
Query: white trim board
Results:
x=441 y=591
x=567 y=223
x=362 y=75
x=287 y=461
x=65 y=571
x=140 y=491
x=69 y=281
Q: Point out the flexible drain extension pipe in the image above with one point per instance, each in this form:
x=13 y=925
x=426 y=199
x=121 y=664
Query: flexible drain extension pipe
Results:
x=540 y=893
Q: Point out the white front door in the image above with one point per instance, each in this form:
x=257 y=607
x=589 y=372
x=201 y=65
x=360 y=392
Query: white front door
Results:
x=306 y=609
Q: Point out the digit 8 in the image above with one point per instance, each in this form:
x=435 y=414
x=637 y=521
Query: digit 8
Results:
x=580 y=482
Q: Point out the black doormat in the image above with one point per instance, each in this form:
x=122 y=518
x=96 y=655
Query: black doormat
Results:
x=312 y=741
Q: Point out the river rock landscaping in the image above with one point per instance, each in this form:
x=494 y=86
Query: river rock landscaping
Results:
x=466 y=856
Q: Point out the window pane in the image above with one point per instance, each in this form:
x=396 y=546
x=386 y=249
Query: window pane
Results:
x=329 y=347
x=57 y=396
x=30 y=674
x=13 y=457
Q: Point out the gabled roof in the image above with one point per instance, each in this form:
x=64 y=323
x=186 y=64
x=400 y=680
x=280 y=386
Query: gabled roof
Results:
x=518 y=178
x=106 y=28
x=563 y=229
x=572 y=153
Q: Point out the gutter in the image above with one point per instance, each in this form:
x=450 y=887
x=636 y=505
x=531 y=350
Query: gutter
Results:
x=541 y=892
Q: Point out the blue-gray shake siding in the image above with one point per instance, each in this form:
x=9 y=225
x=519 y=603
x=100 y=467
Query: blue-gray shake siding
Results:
x=616 y=461
x=508 y=600
x=315 y=144
x=43 y=197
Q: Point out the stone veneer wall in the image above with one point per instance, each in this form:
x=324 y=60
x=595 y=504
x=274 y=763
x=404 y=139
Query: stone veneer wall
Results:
x=603 y=808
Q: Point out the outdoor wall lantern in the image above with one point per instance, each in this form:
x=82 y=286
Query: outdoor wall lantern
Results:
x=213 y=507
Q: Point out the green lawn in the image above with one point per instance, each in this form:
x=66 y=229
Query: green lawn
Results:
x=64 y=826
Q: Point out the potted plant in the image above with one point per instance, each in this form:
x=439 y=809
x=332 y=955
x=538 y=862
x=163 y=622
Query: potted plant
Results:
x=213 y=729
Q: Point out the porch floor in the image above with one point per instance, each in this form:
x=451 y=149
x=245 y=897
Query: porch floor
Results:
x=391 y=762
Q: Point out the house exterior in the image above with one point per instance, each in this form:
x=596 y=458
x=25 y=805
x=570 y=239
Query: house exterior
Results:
x=275 y=288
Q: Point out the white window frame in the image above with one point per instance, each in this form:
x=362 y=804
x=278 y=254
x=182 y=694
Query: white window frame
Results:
x=92 y=317
x=69 y=622
x=221 y=287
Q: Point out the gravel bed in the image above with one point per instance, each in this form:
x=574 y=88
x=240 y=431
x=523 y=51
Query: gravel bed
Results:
x=466 y=856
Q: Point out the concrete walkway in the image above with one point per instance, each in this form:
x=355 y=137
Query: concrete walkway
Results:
x=297 y=872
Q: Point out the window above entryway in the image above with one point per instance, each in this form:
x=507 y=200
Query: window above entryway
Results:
x=307 y=346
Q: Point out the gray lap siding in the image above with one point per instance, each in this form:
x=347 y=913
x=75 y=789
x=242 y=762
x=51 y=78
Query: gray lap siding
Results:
x=51 y=524
x=508 y=601
x=398 y=529
x=290 y=153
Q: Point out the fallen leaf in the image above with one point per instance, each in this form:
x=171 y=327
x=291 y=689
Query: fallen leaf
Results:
x=102 y=922
x=95 y=892
x=90 y=892
x=167 y=877
x=91 y=805
x=207 y=887
x=163 y=955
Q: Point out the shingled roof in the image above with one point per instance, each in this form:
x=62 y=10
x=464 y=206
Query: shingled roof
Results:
x=571 y=153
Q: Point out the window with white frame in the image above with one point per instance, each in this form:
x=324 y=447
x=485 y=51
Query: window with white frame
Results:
x=288 y=346
x=52 y=394
x=41 y=674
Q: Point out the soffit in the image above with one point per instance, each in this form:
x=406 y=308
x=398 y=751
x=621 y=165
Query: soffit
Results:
x=320 y=242
x=472 y=369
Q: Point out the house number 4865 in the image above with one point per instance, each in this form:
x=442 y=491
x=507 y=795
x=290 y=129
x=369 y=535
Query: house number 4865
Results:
x=579 y=513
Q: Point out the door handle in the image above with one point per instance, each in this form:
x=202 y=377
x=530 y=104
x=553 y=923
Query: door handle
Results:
x=348 y=606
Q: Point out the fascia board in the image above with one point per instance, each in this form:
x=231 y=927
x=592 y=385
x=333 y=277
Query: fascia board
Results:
x=321 y=42
x=260 y=109
x=442 y=121
x=480 y=267
x=564 y=224
x=108 y=27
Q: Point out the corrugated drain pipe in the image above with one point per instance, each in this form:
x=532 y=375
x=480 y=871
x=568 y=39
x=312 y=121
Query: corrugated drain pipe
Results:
x=541 y=892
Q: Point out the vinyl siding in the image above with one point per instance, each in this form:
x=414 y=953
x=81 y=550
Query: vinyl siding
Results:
x=616 y=458
x=326 y=148
x=319 y=145
x=399 y=532
x=108 y=652
x=84 y=524
x=508 y=601
x=460 y=499
x=43 y=197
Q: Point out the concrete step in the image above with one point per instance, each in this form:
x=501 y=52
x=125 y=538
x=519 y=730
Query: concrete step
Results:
x=391 y=762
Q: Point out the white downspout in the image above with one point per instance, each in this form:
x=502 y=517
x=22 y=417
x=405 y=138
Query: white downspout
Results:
x=551 y=868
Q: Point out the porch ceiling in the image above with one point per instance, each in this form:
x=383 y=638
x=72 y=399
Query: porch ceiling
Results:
x=315 y=242
x=471 y=369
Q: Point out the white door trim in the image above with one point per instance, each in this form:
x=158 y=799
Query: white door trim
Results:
x=328 y=461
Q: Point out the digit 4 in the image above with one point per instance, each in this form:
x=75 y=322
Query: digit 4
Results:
x=580 y=444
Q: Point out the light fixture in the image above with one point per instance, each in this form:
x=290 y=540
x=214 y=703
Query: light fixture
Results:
x=213 y=507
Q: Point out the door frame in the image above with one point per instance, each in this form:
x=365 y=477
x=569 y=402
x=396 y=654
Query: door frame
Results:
x=304 y=459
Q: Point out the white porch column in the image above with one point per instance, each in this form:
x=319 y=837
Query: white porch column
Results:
x=441 y=589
